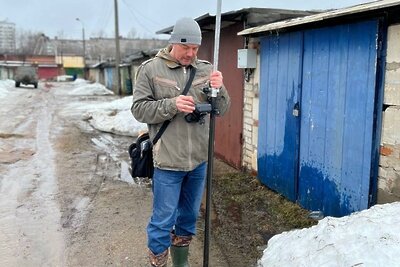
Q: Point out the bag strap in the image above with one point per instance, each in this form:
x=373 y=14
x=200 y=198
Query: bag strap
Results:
x=189 y=82
x=184 y=92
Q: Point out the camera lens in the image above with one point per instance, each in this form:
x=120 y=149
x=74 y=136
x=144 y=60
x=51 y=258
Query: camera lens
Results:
x=191 y=118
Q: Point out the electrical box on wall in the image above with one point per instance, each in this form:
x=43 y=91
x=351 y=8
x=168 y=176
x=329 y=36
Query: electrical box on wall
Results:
x=247 y=58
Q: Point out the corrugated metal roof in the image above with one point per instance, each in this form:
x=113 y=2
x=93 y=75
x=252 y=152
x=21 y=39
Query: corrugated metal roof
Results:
x=376 y=5
x=47 y=65
x=14 y=63
x=96 y=65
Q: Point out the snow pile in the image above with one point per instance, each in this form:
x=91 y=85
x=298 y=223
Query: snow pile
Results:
x=121 y=122
x=120 y=104
x=115 y=117
x=367 y=238
x=5 y=85
x=79 y=81
x=64 y=78
x=90 y=89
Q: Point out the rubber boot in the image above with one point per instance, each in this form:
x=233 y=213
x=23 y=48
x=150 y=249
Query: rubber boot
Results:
x=180 y=250
x=159 y=260
x=179 y=256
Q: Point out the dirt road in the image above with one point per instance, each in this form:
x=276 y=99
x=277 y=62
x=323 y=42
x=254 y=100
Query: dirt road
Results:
x=66 y=197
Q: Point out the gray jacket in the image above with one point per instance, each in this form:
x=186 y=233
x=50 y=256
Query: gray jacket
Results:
x=183 y=146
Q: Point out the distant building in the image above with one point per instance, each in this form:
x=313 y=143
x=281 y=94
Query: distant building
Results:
x=7 y=37
x=100 y=49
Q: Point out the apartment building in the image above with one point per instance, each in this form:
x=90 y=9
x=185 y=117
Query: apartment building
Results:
x=7 y=37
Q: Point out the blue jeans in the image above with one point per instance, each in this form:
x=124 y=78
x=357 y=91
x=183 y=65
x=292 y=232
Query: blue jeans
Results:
x=177 y=198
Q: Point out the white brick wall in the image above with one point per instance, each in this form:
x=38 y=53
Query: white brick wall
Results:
x=393 y=54
x=389 y=169
x=250 y=120
x=391 y=126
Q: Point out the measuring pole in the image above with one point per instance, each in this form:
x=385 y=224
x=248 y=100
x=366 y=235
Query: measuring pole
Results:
x=214 y=94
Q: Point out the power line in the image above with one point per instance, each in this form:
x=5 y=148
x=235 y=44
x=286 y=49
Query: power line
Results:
x=138 y=21
x=103 y=21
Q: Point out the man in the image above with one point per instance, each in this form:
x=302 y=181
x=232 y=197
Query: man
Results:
x=180 y=155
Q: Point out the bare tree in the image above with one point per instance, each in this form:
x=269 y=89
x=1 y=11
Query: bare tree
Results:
x=132 y=34
x=101 y=34
x=32 y=43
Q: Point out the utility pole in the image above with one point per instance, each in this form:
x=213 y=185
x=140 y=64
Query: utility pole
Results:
x=117 y=54
x=84 y=47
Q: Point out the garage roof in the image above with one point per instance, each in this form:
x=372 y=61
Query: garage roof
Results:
x=252 y=17
x=330 y=15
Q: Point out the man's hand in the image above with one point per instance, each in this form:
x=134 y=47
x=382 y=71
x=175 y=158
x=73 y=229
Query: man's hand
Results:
x=216 y=80
x=185 y=103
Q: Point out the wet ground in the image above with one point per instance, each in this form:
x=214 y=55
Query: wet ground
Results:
x=66 y=197
x=29 y=223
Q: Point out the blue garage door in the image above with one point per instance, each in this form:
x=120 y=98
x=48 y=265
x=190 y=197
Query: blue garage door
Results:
x=338 y=99
x=109 y=78
x=279 y=98
x=317 y=102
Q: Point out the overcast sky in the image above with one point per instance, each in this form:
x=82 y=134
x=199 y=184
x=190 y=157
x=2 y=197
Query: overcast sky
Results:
x=145 y=17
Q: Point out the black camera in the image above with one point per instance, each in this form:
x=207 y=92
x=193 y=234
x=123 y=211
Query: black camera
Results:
x=198 y=114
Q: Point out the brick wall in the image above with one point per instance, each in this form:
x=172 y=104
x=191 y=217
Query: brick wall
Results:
x=250 y=114
x=389 y=164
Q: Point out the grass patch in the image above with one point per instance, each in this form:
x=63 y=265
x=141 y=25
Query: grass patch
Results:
x=249 y=214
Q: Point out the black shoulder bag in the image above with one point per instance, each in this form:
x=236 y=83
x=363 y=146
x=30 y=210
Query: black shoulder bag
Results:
x=141 y=151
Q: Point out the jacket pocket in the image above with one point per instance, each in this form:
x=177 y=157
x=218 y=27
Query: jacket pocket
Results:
x=165 y=88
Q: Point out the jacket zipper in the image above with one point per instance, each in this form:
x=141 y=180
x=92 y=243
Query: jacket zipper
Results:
x=185 y=71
